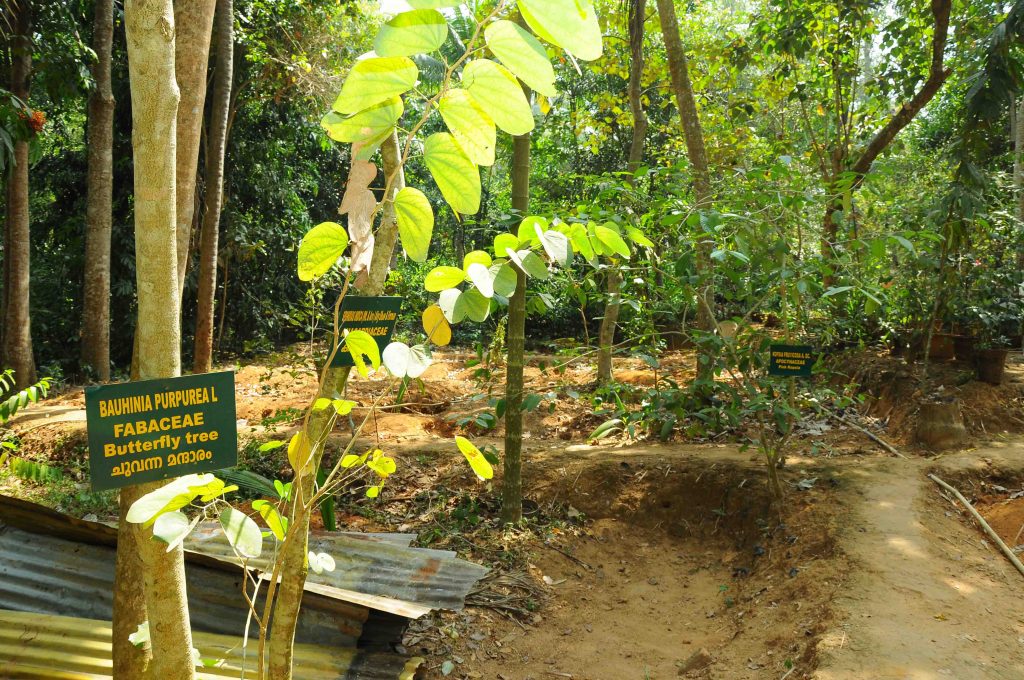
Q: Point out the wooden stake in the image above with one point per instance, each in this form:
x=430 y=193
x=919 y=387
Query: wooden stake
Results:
x=981 y=520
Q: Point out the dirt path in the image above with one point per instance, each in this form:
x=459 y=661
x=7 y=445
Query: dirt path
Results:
x=928 y=598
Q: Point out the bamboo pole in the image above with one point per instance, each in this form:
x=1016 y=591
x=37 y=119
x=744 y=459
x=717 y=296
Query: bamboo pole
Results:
x=981 y=520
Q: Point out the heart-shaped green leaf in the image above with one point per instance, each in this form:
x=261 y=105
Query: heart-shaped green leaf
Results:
x=416 y=32
x=320 y=249
x=441 y=278
x=522 y=54
x=481 y=278
x=415 y=222
x=505 y=279
x=473 y=305
x=570 y=24
x=374 y=80
x=362 y=347
x=456 y=175
x=172 y=528
x=472 y=127
x=499 y=94
x=369 y=127
x=242 y=532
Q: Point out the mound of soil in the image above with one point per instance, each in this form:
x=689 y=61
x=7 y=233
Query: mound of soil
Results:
x=895 y=391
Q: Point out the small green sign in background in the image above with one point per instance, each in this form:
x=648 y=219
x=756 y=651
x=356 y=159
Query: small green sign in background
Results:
x=374 y=315
x=148 y=430
x=791 y=360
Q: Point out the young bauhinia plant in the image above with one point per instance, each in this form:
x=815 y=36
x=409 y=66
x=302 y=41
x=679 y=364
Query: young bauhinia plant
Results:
x=476 y=95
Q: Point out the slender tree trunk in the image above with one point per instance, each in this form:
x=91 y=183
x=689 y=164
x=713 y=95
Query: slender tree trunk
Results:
x=695 y=149
x=606 y=333
x=512 y=463
x=100 y=187
x=194 y=21
x=150 y=30
x=1019 y=158
x=294 y=568
x=637 y=14
x=216 y=145
x=17 y=345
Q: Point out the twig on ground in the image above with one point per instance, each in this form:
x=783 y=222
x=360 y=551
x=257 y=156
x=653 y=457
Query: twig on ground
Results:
x=869 y=434
x=984 y=525
x=569 y=556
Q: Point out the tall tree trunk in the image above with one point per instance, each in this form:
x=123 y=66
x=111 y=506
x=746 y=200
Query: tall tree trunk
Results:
x=17 y=345
x=937 y=75
x=293 y=567
x=1018 y=158
x=512 y=463
x=697 y=153
x=194 y=21
x=98 y=210
x=150 y=30
x=216 y=145
x=637 y=14
x=606 y=333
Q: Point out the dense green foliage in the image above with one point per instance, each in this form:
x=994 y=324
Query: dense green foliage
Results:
x=783 y=88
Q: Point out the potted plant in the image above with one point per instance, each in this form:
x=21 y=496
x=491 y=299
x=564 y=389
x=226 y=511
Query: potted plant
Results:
x=991 y=348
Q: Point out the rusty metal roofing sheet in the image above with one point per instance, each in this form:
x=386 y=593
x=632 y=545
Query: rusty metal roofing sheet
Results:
x=49 y=575
x=376 y=571
x=402 y=580
x=46 y=647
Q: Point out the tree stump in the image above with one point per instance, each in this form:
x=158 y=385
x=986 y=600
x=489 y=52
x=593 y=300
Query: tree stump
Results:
x=940 y=426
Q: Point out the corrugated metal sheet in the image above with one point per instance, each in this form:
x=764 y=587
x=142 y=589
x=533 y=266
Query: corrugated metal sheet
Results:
x=50 y=575
x=415 y=580
x=52 y=564
x=44 y=647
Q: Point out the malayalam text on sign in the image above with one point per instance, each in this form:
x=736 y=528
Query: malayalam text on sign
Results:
x=148 y=430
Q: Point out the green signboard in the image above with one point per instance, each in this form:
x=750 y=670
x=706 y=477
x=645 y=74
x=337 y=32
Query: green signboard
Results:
x=791 y=360
x=148 y=430
x=374 y=315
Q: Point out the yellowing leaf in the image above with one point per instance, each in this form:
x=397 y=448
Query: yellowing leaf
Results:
x=442 y=278
x=472 y=127
x=476 y=459
x=381 y=464
x=299 y=451
x=369 y=127
x=455 y=173
x=416 y=32
x=320 y=249
x=503 y=242
x=362 y=346
x=436 y=326
x=374 y=80
x=278 y=525
x=415 y=222
x=522 y=54
x=498 y=93
x=477 y=256
x=570 y=24
x=343 y=406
